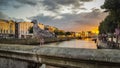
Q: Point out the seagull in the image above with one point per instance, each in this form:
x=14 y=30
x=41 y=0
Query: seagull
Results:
x=40 y=33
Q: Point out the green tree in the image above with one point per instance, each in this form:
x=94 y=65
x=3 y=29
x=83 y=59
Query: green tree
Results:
x=108 y=25
x=113 y=7
x=113 y=19
x=59 y=32
x=68 y=33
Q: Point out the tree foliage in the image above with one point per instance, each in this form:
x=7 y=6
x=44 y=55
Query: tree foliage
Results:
x=113 y=19
x=68 y=33
x=113 y=7
x=59 y=32
x=108 y=25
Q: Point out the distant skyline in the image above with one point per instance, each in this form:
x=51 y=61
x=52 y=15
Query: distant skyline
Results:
x=69 y=15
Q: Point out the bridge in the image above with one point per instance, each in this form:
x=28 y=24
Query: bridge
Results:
x=17 y=56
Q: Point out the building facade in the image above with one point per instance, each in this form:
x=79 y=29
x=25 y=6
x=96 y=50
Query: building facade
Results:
x=23 y=29
x=7 y=28
x=50 y=28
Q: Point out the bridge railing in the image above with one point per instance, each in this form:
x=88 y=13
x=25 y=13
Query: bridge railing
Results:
x=34 y=57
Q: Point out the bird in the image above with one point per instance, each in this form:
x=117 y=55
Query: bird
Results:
x=40 y=33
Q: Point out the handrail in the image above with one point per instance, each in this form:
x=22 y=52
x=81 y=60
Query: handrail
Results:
x=65 y=57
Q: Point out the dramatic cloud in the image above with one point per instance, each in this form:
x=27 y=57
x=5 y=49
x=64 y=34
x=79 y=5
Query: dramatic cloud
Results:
x=72 y=15
x=74 y=21
x=90 y=17
x=51 y=5
x=6 y=17
x=54 y=4
x=3 y=2
x=62 y=5
x=29 y=2
x=3 y=16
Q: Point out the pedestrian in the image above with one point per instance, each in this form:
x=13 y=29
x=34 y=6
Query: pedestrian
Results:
x=117 y=32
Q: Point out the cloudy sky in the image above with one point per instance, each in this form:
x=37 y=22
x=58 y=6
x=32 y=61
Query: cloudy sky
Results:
x=69 y=15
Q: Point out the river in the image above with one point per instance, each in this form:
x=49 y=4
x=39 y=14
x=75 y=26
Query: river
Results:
x=88 y=44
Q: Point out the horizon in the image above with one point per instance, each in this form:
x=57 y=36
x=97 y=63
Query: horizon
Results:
x=68 y=15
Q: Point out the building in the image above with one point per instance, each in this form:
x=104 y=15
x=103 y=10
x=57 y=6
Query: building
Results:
x=7 y=28
x=23 y=29
x=42 y=26
x=11 y=29
x=77 y=34
x=50 y=28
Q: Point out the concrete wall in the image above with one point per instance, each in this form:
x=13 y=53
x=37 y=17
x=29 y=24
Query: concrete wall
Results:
x=15 y=63
x=34 y=56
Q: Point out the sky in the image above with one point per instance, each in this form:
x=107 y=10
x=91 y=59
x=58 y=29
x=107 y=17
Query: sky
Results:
x=68 y=15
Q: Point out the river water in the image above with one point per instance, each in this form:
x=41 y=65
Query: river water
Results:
x=87 y=44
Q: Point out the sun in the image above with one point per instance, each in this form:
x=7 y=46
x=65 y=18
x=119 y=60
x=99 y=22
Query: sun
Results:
x=95 y=30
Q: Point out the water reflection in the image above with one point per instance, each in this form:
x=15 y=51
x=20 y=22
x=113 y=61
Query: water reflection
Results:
x=86 y=43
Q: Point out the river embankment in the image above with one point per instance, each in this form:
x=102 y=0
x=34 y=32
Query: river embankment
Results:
x=33 y=41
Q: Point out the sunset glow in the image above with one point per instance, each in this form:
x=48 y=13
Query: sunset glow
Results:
x=67 y=15
x=95 y=30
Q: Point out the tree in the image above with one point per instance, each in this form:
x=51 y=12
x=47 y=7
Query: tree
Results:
x=59 y=32
x=108 y=25
x=113 y=19
x=113 y=7
x=68 y=33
